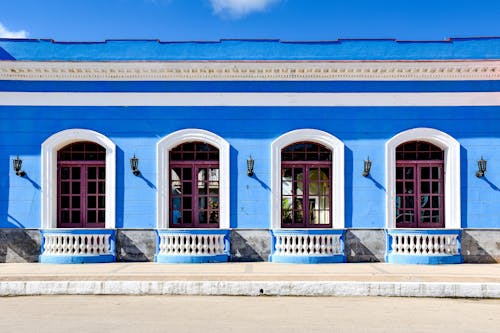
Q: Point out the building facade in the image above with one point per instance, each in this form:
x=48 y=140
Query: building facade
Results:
x=250 y=150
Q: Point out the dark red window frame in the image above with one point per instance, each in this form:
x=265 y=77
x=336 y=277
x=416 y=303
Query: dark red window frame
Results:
x=81 y=184
x=195 y=194
x=419 y=185
x=299 y=162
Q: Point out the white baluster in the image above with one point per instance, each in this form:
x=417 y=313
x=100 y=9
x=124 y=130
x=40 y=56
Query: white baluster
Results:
x=418 y=246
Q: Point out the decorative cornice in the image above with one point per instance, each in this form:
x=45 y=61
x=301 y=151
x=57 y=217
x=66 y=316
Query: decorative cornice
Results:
x=252 y=71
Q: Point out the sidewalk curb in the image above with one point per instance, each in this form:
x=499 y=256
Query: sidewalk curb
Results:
x=252 y=288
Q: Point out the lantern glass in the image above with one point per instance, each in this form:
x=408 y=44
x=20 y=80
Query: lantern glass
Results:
x=134 y=165
x=250 y=165
x=481 y=165
x=367 y=167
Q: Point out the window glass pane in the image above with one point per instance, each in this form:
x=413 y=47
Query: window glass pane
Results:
x=75 y=216
x=186 y=174
x=313 y=182
x=214 y=217
x=286 y=181
x=409 y=173
x=286 y=209
x=91 y=216
x=213 y=174
x=65 y=202
x=65 y=188
x=188 y=217
x=92 y=173
x=425 y=187
x=187 y=203
x=202 y=203
x=399 y=172
x=101 y=216
x=75 y=173
x=75 y=201
x=65 y=216
x=202 y=217
x=65 y=173
x=75 y=187
x=102 y=188
x=187 y=188
x=425 y=201
x=436 y=202
x=92 y=187
x=101 y=201
x=213 y=202
x=91 y=202
x=425 y=173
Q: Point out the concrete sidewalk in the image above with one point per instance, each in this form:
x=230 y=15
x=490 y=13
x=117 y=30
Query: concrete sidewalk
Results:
x=351 y=279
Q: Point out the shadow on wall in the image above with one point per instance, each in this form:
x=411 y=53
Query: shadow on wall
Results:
x=4 y=195
x=481 y=246
x=233 y=187
x=367 y=245
x=120 y=184
x=348 y=184
x=135 y=245
x=464 y=174
x=19 y=245
x=250 y=245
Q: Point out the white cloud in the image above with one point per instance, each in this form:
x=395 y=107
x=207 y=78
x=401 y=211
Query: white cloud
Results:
x=5 y=33
x=240 y=8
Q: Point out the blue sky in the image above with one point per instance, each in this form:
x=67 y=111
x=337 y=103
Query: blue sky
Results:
x=97 y=20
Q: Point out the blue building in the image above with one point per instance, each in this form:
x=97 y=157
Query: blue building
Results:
x=250 y=150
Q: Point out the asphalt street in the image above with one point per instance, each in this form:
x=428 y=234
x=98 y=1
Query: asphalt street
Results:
x=139 y=314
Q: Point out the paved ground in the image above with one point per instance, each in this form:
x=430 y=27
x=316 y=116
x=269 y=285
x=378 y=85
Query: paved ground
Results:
x=262 y=271
x=239 y=279
x=246 y=314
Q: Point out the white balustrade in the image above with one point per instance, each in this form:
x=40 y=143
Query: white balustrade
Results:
x=308 y=245
x=194 y=244
x=76 y=244
x=411 y=244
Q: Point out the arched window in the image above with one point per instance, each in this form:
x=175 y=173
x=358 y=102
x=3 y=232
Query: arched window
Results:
x=319 y=156
x=81 y=186
x=425 y=145
x=194 y=186
x=206 y=155
x=305 y=186
x=419 y=185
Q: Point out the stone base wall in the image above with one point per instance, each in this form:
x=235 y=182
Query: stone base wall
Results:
x=481 y=245
x=135 y=245
x=249 y=245
x=19 y=245
x=365 y=245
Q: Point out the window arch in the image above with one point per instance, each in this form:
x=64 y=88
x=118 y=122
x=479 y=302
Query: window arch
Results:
x=318 y=138
x=438 y=143
x=50 y=148
x=194 y=186
x=167 y=150
x=306 y=169
x=419 y=185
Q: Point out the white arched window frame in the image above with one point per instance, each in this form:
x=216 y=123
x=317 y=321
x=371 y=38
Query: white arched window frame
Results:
x=337 y=181
x=451 y=149
x=173 y=140
x=49 y=173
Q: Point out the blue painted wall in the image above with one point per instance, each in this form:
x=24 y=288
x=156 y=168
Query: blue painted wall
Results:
x=249 y=130
x=342 y=49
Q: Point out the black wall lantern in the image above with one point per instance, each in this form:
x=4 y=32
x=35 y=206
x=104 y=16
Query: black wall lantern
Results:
x=481 y=166
x=17 y=164
x=366 y=167
x=134 y=165
x=250 y=164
